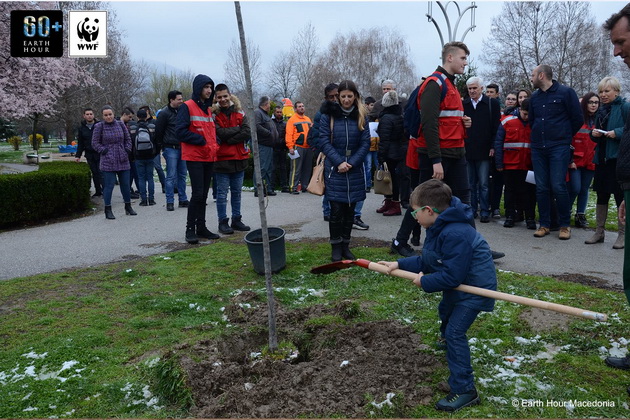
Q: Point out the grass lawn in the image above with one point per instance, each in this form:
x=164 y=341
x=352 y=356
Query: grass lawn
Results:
x=90 y=342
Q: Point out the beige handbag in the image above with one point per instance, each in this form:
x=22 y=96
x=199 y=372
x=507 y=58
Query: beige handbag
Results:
x=383 y=181
x=316 y=184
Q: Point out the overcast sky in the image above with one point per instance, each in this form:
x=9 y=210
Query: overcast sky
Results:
x=196 y=35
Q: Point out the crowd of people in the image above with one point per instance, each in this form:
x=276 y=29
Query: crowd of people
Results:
x=540 y=149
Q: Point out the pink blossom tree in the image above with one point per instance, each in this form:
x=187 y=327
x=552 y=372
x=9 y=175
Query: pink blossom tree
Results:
x=31 y=86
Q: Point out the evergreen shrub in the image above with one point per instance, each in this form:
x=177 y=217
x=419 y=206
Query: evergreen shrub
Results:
x=56 y=189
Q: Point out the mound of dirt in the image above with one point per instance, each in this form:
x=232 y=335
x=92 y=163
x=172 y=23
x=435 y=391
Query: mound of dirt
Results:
x=339 y=368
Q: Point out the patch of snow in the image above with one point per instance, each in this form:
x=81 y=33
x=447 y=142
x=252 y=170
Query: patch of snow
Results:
x=196 y=307
x=167 y=258
x=129 y=270
x=387 y=401
x=344 y=363
x=68 y=365
x=245 y=305
x=27 y=396
x=249 y=386
x=499 y=400
x=33 y=355
x=527 y=341
x=31 y=409
x=152 y=362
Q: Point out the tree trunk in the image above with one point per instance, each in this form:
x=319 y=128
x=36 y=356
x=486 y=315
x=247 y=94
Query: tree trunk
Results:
x=273 y=336
x=35 y=144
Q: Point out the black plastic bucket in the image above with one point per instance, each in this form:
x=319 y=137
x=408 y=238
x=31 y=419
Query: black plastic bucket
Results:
x=276 y=248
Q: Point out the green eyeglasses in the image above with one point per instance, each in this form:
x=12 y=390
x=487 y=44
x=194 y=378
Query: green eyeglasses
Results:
x=413 y=213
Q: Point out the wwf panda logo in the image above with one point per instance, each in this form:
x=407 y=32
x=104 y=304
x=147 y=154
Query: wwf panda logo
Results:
x=88 y=31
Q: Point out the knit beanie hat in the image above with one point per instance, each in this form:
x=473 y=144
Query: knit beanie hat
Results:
x=390 y=98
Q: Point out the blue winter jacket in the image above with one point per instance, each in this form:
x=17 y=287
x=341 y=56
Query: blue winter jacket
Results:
x=555 y=116
x=348 y=144
x=455 y=253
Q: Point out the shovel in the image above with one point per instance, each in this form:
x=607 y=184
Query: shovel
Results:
x=582 y=313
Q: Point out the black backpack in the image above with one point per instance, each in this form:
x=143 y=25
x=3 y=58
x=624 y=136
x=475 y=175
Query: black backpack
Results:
x=411 y=114
x=144 y=141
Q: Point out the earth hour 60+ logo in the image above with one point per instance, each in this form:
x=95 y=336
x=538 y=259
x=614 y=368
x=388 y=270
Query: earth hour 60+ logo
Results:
x=36 y=33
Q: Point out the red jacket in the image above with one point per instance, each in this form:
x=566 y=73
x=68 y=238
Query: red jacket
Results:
x=451 y=129
x=203 y=124
x=233 y=148
x=412 y=159
x=515 y=153
x=584 y=148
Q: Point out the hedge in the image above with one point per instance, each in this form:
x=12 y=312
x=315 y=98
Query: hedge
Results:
x=56 y=189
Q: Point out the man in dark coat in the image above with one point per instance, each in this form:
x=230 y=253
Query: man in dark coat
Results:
x=267 y=136
x=168 y=142
x=619 y=27
x=485 y=113
x=280 y=175
x=555 y=117
x=84 y=144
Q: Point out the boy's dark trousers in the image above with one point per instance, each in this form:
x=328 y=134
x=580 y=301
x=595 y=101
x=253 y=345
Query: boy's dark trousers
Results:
x=456 y=319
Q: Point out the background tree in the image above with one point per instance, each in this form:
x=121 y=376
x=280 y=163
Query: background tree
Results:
x=366 y=57
x=235 y=73
x=31 y=87
x=119 y=78
x=282 y=77
x=563 y=35
x=158 y=83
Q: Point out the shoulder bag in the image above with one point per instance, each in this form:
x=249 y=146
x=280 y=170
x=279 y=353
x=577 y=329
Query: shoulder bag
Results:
x=383 y=181
x=316 y=185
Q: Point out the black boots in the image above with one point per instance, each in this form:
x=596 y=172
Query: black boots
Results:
x=224 y=227
x=337 y=252
x=345 y=250
x=204 y=232
x=129 y=211
x=108 y=213
x=237 y=224
x=191 y=236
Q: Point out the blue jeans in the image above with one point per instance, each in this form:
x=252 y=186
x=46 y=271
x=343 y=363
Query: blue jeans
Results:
x=157 y=164
x=456 y=319
x=145 y=176
x=109 y=180
x=478 y=176
x=176 y=174
x=579 y=183
x=326 y=207
x=266 y=166
x=550 y=170
x=233 y=182
x=371 y=159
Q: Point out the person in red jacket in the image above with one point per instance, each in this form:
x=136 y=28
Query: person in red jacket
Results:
x=582 y=169
x=233 y=133
x=197 y=134
x=513 y=157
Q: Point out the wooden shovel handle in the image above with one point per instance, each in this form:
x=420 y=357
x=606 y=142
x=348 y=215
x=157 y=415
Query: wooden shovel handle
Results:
x=570 y=310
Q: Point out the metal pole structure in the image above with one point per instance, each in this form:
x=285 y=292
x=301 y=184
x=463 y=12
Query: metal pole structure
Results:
x=273 y=336
x=452 y=32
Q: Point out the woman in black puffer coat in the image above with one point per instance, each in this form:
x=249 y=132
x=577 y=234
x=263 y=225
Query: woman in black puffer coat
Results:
x=392 y=149
x=345 y=151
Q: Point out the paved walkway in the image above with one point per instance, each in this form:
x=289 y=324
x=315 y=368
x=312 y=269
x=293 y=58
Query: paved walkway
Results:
x=93 y=240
